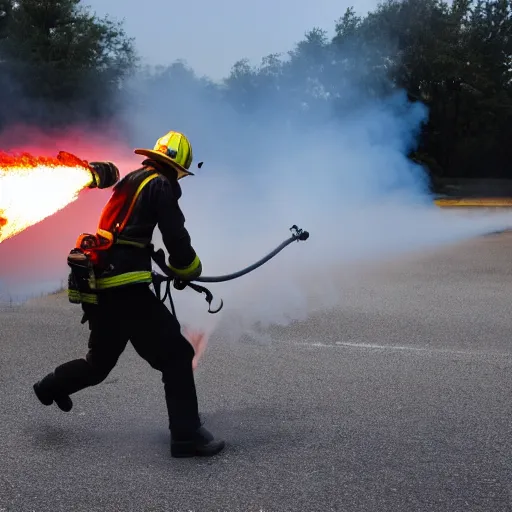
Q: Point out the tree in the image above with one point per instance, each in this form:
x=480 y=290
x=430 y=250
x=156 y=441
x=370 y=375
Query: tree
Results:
x=60 y=63
x=6 y=7
x=63 y=60
x=456 y=59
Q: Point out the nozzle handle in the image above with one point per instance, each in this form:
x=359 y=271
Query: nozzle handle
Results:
x=105 y=174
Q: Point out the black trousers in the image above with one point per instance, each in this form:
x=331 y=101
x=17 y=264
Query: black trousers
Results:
x=133 y=313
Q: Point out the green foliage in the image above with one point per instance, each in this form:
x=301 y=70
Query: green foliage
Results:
x=454 y=57
x=6 y=7
x=56 y=53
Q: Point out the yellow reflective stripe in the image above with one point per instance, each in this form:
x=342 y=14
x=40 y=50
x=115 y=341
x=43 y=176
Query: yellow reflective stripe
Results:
x=186 y=272
x=122 y=279
x=74 y=296
x=77 y=297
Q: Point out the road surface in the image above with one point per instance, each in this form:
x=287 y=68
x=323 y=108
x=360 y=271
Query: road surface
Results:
x=400 y=400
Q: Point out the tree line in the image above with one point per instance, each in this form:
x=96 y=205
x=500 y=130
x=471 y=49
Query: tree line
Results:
x=60 y=63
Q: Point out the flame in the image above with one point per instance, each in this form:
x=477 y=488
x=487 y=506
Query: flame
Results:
x=198 y=339
x=34 y=188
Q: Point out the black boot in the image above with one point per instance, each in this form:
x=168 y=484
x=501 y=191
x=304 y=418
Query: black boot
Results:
x=47 y=395
x=200 y=443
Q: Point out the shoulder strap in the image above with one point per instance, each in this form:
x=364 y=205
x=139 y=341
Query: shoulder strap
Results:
x=118 y=210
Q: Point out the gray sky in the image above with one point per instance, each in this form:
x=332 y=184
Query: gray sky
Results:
x=222 y=31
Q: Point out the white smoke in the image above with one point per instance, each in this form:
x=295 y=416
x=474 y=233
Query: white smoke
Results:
x=345 y=178
x=349 y=183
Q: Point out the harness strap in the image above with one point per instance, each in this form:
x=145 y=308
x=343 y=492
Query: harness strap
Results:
x=113 y=234
x=159 y=258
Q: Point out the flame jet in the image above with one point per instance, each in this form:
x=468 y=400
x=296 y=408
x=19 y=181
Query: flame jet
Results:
x=34 y=188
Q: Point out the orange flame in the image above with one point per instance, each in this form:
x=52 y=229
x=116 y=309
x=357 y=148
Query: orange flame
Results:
x=34 y=188
x=198 y=339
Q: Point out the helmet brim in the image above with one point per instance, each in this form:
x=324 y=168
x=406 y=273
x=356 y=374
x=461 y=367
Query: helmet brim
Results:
x=164 y=159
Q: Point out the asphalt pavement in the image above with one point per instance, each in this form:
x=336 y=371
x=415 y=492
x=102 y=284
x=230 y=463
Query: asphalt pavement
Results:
x=398 y=400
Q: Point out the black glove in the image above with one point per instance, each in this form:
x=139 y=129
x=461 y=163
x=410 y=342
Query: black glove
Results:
x=107 y=174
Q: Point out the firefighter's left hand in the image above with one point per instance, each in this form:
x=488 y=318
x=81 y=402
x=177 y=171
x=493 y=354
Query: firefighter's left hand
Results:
x=107 y=174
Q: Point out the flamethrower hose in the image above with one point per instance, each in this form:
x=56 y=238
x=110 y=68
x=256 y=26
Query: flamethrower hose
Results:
x=304 y=235
x=159 y=258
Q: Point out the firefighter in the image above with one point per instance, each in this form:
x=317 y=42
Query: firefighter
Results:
x=117 y=300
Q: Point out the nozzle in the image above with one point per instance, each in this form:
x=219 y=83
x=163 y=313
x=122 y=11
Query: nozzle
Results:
x=299 y=234
x=104 y=174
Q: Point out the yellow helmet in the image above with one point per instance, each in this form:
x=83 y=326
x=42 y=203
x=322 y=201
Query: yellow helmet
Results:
x=173 y=149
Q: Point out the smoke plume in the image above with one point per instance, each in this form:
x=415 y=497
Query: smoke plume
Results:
x=345 y=178
x=284 y=158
